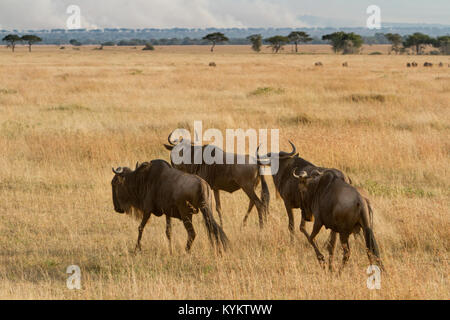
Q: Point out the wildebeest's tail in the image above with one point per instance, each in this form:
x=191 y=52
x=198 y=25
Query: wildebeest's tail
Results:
x=371 y=243
x=265 y=194
x=215 y=232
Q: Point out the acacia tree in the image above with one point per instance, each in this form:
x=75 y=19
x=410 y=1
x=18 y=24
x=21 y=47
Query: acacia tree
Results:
x=277 y=42
x=352 y=43
x=418 y=41
x=299 y=37
x=256 y=40
x=75 y=42
x=12 y=39
x=396 y=40
x=215 y=38
x=31 y=39
x=344 y=42
x=443 y=43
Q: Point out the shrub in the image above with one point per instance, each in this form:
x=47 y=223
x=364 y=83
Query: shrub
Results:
x=148 y=46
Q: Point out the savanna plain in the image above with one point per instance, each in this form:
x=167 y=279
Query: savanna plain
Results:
x=68 y=116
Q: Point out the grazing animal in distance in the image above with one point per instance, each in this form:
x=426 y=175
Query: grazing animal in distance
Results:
x=414 y=64
x=338 y=206
x=427 y=64
x=408 y=65
x=226 y=177
x=345 y=64
x=441 y=64
x=157 y=188
x=212 y=64
x=318 y=64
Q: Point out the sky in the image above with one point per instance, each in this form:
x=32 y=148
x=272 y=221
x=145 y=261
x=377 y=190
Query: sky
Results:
x=46 y=14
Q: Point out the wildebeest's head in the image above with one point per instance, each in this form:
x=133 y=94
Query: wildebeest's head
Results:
x=120 y=192
x=304 y=179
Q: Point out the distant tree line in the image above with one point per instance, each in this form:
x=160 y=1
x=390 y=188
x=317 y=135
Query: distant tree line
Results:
x=13 y=39
x=341 y=42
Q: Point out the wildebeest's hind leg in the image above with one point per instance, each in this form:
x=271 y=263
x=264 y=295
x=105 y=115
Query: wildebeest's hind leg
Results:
x=145 y=218
x=344 y=242
x=316 y=228
x=169 y=232
x=251 y=204
x=218 y=206
x=259 y=205
x=330 y=246
x=187 y=221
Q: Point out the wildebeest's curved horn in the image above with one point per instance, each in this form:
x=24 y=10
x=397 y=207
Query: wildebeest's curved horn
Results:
x=170 y=141
x=260 y=160
x=176 y=141
x=302 y=174
x=284 y=155
x=119 y=170
x=137 y=165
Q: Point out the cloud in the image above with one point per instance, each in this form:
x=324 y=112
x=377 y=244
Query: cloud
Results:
x=36 y=14
x=39 y=14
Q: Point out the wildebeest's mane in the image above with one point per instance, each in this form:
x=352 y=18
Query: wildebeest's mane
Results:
x=316 y=187
x=142 y=179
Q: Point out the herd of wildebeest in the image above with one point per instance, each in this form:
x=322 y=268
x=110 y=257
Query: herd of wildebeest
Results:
x=325 y=196
x=408 y=64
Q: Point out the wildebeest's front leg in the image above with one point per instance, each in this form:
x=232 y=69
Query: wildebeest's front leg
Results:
x=169 y=232
x=291 y=220
x=316 y=228
x=330 y=246
x=145 y=218
x=218 y=206
x=187 y=221
x=303 y=229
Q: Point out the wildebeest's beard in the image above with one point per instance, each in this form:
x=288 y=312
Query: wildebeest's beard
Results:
x=120 y=195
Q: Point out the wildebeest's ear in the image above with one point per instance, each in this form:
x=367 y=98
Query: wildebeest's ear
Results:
x=316 y=173
x=168 y=147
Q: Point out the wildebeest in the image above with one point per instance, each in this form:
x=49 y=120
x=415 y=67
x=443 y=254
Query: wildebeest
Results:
x=441 y=64
x=227 y=177
x=287 y=186
x=338 y=206
x=212 y=64
x=318 y=64
x=408 y=65
x=414 y=64
x=345 y=64
x=157 y=188
x=427 y=64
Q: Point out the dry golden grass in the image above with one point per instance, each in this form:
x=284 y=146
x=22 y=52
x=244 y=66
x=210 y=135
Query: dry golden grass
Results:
x=68 y=116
